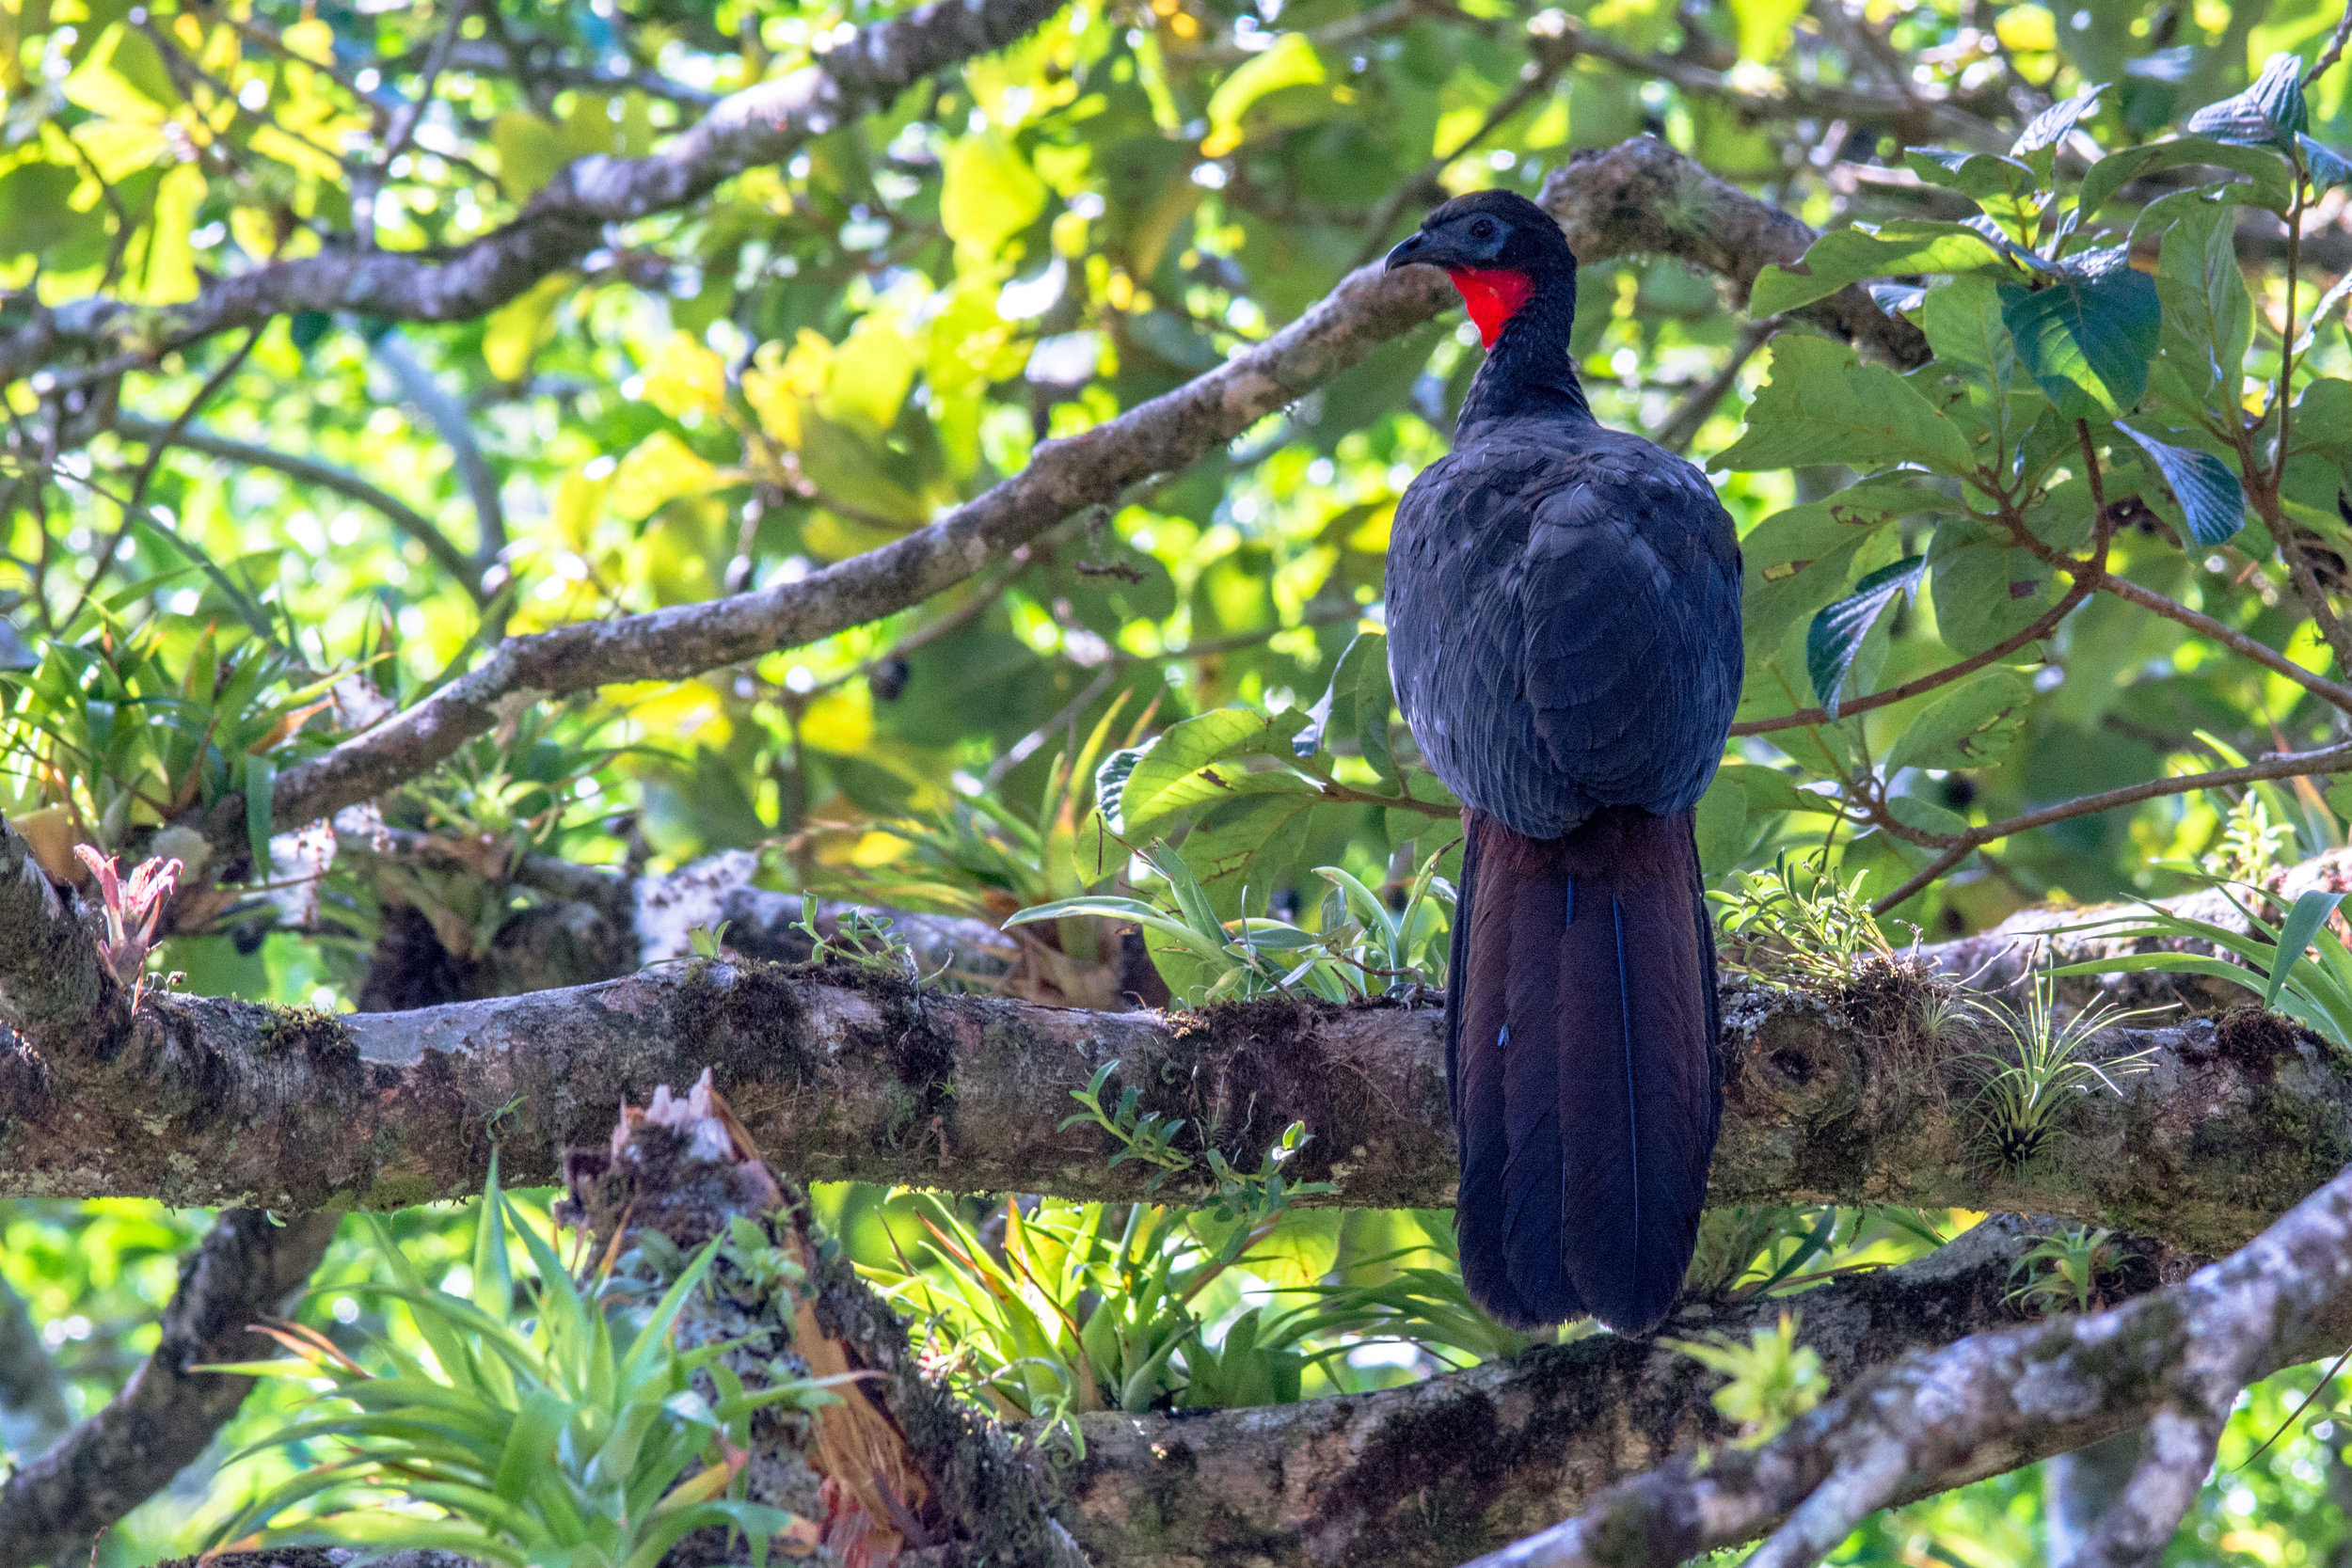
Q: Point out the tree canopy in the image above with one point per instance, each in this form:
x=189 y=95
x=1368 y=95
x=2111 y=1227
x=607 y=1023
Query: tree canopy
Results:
x=549 y=549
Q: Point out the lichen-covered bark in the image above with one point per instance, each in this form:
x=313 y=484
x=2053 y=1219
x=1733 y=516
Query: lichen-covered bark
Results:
x=846 y=1075
x=1431 y=1475
x=896 y=1463
x=2174 y=1359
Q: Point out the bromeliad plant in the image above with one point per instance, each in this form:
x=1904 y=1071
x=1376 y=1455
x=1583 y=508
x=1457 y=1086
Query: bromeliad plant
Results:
x=2313 y=985
x=130 y=724
x=2023 y=1097
x=1362 y=948
x=553 y=1429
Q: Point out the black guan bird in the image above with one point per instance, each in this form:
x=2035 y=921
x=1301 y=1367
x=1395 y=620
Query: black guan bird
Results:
x=1564 y=638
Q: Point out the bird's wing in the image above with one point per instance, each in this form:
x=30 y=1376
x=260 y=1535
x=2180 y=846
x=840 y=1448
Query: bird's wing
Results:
x=1630 y=657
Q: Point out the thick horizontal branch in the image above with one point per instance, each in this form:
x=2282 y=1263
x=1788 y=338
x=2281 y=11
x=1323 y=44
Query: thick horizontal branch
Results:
x=1427 y=1475
x=564 y=220
x=1996 y=1400
x=845 y=1075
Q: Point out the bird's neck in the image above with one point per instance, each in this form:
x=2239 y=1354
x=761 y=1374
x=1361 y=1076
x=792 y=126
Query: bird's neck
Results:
x=1524 y=320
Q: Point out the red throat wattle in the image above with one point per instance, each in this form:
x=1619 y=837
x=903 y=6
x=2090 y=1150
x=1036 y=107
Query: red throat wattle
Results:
x=1494 y=296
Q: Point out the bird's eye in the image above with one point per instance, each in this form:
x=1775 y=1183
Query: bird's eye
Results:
x=1483 y=228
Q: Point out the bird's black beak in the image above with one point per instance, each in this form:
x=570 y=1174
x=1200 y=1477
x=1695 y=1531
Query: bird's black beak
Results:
x=1414 y=248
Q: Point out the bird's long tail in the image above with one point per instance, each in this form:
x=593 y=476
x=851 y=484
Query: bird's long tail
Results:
x=1582 y=1062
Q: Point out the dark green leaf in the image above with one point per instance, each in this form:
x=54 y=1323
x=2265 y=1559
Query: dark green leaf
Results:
x=1837 y=633
x=2088 y=336
x=2328 y=165
x=2268 y=114
x=305 y=327
x=2211 y=497
x=2311 y=911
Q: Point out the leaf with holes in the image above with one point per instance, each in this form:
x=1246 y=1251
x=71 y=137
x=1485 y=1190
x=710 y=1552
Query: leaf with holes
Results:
x=1837 y=633
x=1822 y=405
x=2210 y=494
x=1967 y=726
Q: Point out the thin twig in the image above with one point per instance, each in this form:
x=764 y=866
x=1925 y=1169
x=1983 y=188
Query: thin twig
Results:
x=398 y=513
x=2334 y=52
x=155 y=450
x=1690 y=415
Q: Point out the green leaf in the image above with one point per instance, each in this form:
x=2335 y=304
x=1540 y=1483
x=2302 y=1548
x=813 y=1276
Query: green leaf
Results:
x=260 y=779
x=1335 y=711
x=1846 y=255
x=1925 y=815
x=1163 y=780
x=1976 y=175
x=1721 y=826
x=2328 y=165
x=2208 y=316
x=2037 y=144
x=1786 y=542
x=2211 y=497
x=2088 y=336
x=2268 y=114
x=1984 y=588
x=1822 y=405
x=1837 y=633
x=1291 y=62
x=987 y=193
x=1967 y=726
x=2273 y=187
x=2311 y=911
x=1771 y=789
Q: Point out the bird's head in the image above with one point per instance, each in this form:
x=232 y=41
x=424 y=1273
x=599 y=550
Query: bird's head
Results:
x=1498 y=247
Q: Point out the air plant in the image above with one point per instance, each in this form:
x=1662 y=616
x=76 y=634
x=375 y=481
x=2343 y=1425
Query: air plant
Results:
x=133 y=909
x=2024 y=1102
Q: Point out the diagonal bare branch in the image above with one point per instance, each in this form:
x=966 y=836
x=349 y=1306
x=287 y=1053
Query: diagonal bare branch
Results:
x=247 y=1268
x=561 y=223
x=2176 y=1358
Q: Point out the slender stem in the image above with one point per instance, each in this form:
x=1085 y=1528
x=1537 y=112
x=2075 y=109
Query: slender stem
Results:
x=2289 y=765
x=395 y=510
x=2334 y=52
x=155 y=450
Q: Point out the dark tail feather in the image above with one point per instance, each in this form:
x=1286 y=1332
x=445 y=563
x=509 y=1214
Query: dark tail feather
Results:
x=1582 y=1053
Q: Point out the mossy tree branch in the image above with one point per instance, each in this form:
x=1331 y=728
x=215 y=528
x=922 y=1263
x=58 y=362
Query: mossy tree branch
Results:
x=845 y=1074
